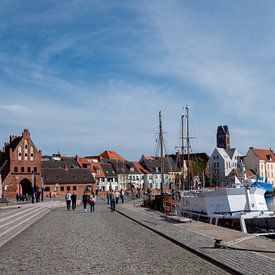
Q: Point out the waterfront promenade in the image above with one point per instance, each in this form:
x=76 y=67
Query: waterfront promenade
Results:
x=78 y=242
x=133 y=240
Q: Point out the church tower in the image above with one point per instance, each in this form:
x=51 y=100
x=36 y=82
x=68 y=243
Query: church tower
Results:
x=223 y=137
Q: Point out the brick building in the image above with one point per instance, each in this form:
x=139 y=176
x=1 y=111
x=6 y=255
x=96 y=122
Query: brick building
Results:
x=20 y=165
x=61 y=176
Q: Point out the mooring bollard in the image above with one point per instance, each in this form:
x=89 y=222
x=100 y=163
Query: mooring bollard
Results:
x=218 y=243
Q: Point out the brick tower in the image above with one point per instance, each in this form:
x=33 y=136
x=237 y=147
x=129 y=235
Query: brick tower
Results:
x=223 y=137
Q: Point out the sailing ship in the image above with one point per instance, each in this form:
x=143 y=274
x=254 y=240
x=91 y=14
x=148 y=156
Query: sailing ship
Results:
x=243 y=208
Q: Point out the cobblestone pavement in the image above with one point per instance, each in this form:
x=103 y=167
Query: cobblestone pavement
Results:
x=78 y=242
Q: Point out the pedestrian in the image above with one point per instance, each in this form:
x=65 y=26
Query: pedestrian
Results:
x=117 y=196
x=17 y=197
x=108 y=196
x=92 y=202
x=85 y=199
x=68 y=199
x=122 y=195
x=112 y=201
x=73 y=197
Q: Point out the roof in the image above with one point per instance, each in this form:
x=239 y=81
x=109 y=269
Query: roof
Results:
x=140 y=168
x=230 y=152
x=154 y=165
x=108 y=170
x=65 y=162
x=263 y=154
x=110 y=155
x=119 y=166
x=97 y=169
x=70 y=175
x=226 y=152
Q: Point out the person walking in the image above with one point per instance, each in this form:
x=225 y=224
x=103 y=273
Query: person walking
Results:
x=68 y=199
x=112 y=201
x=92 y=202
x=73 y=197
x=108 y=196
x=117 y=196
x=85 y=199
x=122 y=195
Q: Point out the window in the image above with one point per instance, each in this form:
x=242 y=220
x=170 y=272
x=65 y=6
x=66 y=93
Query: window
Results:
x=74 y=188
x=22 y=169
x=26 y=150
x=29 y=169
x=15 y=169
x=35 y=169
x=62 y=188
x=19 y=153
x=68 y=188
x=47 y=189
x=132 y=169
x=97 y=171
x=32 y=158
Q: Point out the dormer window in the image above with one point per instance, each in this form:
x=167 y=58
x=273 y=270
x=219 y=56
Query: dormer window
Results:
x=132 y=169
x=269 y=157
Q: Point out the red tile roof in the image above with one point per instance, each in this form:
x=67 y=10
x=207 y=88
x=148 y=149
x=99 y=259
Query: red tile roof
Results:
x=140 y=168
x=111 y=155
x=263 y=154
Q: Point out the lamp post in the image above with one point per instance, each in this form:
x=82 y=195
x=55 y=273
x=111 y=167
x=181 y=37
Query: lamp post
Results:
x=42 y=188
x=32 y=186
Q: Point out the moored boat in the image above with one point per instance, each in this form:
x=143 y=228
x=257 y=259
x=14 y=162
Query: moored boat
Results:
x=243 y=209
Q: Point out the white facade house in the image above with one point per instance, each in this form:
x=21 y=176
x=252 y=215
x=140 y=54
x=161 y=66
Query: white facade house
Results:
x=221 y=163
x=262 y=163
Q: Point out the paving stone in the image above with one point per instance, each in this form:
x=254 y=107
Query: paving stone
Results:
x=78 y=242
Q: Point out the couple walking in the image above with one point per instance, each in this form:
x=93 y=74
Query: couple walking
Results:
x=86 y=199
x=70 y=199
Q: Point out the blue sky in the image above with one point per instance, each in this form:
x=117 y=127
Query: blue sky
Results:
x=85 y=76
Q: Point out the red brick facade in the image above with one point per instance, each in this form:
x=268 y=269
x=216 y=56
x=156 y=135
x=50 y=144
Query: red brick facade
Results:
x=20 y=163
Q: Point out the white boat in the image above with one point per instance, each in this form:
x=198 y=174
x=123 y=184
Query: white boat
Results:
x=243 y=209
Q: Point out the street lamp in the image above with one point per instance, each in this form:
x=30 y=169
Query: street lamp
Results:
x=32 y=186
x=42 y=188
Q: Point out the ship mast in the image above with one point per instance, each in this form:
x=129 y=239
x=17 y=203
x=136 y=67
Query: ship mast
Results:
x=188 y=146
x=161 y=154
x=182 y=152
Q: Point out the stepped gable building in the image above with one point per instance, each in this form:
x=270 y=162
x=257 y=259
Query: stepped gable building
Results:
x=223 y=137
x=65 y=175
x=20 y=164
